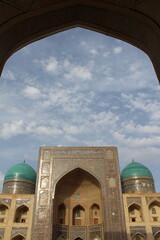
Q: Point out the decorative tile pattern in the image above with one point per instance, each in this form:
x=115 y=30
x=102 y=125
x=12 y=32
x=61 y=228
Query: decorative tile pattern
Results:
x=102 y=163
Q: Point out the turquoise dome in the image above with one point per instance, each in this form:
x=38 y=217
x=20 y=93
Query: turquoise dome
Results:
x=21 y=171
x=135 y=170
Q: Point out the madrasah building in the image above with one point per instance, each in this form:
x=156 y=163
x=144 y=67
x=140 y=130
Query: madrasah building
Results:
x=78 y=193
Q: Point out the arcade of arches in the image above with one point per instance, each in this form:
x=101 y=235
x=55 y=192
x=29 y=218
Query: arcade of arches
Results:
x=79 y=206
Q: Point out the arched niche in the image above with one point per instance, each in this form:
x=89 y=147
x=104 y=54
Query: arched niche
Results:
x=78 y=238
x=78 y=216
x=61 y=237
x=154 y=211
x=135 y=213
x=95 y=214
x=3 y=213
x=18 y=237
x=139 y=236
x=157 y=236
x=21 y=214
x=96 y=238
x=78 y=188
x=111 y=19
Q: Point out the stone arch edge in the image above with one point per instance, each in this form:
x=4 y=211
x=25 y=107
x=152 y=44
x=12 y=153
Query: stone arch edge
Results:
x=73 y=14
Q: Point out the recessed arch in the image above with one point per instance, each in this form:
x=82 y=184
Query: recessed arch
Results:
x=157 y=236
x=18 y=237
x=78 y=215
x=110 y=19
x=135 y=213
x=83 y=169
x=95 y=214
x=3 y=212
x=21 y=214
x=61 y=237
x=75 y=193
x=138 y=236
x=96 y=237
x=154 y=211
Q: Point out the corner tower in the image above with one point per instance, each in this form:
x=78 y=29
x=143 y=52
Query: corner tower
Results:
x=20 y=179
x=137 y=178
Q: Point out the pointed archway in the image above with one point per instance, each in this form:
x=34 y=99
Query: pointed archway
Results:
x=78 y=196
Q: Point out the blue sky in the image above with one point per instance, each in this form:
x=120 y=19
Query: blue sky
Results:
x=80 y=88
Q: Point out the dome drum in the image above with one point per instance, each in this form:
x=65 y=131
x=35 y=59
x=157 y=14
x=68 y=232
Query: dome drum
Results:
x=17 y=186
x=139 y=185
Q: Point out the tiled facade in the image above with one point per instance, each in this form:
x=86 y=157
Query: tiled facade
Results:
x=79 y=197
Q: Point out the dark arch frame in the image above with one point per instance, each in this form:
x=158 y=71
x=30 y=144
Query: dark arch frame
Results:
x=157 y=234
x=110 y=19
x=84 y=170
x=23 y=206
x=17 y=235
x=138 y=233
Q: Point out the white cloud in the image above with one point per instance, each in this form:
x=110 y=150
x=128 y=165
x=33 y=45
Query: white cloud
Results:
x=137 y=128
x=117 y=50
x=32 y=92
x=136 y=142
x=12 y=129
x=143 y=102
x=78 y=72
x=94 y=51
x=106 y=54
x=50 y=65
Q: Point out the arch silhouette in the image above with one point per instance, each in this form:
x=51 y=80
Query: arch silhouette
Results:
x=157 y=235
x=135 y=213
x=21 y=214
x=3 y=212
x=78 y=238
x=83 y=169
x=61 y=237
x=96 y=237
x=114 y=20
x=140 y=235
x=154 y=210
x=18 y=237
x=154 y=201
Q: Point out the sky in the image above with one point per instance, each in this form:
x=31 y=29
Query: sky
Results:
x=79 y=88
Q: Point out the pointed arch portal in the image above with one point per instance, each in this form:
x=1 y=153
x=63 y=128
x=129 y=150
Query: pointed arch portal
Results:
x=130 y=21
x=77 y=193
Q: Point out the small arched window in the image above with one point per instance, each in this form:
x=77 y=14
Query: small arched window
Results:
x=3 y=213
x=21 y=215
x=135 y=213
x=154 y=210
x=78 y=215
x=94 y=214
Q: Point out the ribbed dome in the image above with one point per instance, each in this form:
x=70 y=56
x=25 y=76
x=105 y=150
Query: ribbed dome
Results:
x=21 y=171
x=135 y=170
